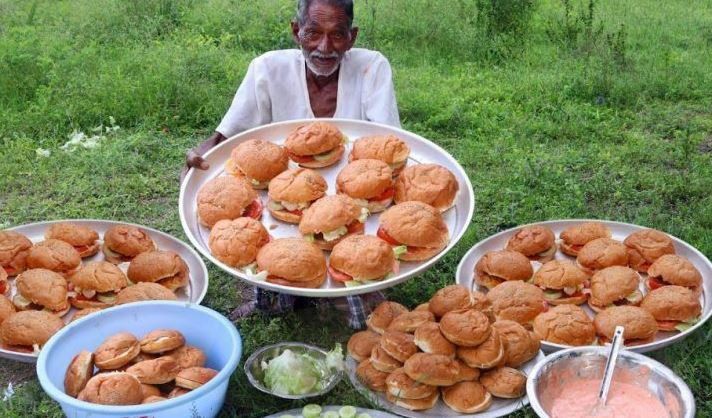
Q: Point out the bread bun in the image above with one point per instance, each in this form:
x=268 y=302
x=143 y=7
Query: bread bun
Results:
x=466 y=328
x=297 y=185
x=44 y=288
x=361 y=344
x=565 y=324
x=328 y=214
x=496 y=267
x=194 y=377
x=82 y=238
x=383 y=315
x=518 y=301
x=224 y=197
x=14 y=248
x=372 y=378
x=639 y=325
x=612 y=284
x=537 y=242
x=166 y=268
x=364 y=179
x=161 y=340
x=433 y=369
x=601 y=253
x=188 y=356
x=55 y=255
x=505 y=382
x=124 y=242
x=293 y=260
x=383 y=361
x=489 y=354
x=562 y=281
x=80 y=370
x=467 y=397
x=450 y=298
x=646 y=246
x=398 y=345
x=400 y=386
x=236 y=242
x=672 y=269
x=116 y=351
x=144 y=291
x=388 y=148
x=416 y=224
x=156 y=371
x=257 y=160
x=430 y=340
x=7 y=308
x=410 y=321
x=575 y=237
x=363 y=257
x=672 y=303
x=313 y=138
x=520 y=345
x=112 y=389
x=428 y=183
x=27 y=328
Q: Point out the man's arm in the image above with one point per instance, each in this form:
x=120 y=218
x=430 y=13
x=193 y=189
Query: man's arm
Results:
x=193 y=158
x=380 y=103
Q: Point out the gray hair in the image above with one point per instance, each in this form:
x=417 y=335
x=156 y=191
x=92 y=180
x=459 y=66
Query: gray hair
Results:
x=303 y=8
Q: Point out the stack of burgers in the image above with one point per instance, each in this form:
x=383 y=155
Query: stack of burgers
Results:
x=124 y=370
x=451 y=347
x=603 y=273
x=52 y=276
x=376 y=176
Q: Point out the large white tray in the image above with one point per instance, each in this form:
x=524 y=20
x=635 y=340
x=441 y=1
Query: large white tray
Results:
x=422 y=151
x=620 y=230
x=194 y=292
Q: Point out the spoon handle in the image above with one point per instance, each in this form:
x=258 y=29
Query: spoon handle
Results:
x=610 y=365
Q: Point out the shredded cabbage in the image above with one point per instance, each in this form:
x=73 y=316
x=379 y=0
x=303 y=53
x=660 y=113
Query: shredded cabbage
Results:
x=335 y=234
x=293 y=373
x=363 y=216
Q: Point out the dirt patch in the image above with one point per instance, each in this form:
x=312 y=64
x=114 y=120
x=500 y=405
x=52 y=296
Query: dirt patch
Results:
x=15 y=372
x=706 y=145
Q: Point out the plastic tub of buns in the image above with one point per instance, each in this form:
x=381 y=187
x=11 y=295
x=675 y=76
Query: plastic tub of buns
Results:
x=147 y=324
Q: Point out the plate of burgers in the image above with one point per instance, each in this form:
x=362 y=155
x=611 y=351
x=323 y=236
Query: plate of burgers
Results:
x=326 y=207
x=573 y=281
x=54 y=272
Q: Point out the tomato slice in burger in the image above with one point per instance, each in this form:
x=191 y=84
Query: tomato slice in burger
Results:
x=9 y=270
x=355 y=226
x=655 y=283
x=295 y=212
x=339 y=276
x=81 y=248
x=387 y=194
x=667 y=325
x=3 y=287
x=382 y=234
x=301 y=158
x=254 y=210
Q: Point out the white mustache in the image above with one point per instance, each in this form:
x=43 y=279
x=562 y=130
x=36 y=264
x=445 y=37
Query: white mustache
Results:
x=317 y=54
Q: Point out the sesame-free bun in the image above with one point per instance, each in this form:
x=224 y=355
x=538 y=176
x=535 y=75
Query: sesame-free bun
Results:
x=639 y=324
x=161 y=340
x=601 y=253
x=160 y=267
x=116 y=351
x=562 y=275
x=433 y=369
x=297 y=185
x=429 y=339
x=575 y=237
x=364 y=179
x=399 y=385
x=612 y=284
x=7 y=308
x=486 y=355
x=55 y=255
x=236 y=242
x=156 y=371
x=676 y=270
x=144 y=291
x=313 y=138
x=112 y=389
x=224 y=197
x=361 y=344
x=23 y=329
x=257 y=160
x=466 y=328
x=517 y=300
x=496 y=267
x=293 y=260
x=188 y=356
x=467 y=397
x=388 y=148
x=194 y=377
x=372 y=378
x=410 y=321
x=14 y=248
x=399 y=345
x=383 y=315
x=672 y=303
x=383 y=361
x=450 y=298
x=646 y=246
x=520 y=345
x=82 y=238
x=80 y=370
x=415 y=404
x=565 y=324
x=98 y=276
x=328 y=214
x=416 y=224
x=45 y=288
x=124 y=242
x=504 y=382
x=537 y=242
x=428 y=183
x=363 y=256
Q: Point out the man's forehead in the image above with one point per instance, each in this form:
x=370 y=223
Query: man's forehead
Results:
x=326 y=16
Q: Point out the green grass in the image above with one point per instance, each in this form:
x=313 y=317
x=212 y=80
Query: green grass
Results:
x=545 y=129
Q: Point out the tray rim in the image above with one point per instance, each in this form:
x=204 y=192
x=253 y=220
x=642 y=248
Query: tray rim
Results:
x=329 y=292
x=461 y=278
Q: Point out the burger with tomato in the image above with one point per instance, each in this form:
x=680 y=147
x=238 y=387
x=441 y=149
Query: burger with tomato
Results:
x=14 y=248
x=537 y=242
x=41 y=290
x=675 y=308
x=428 y=183
x=646 y=246
x=96 y=285
x=315 y=145
x=331 y=219
x=227 y=197
x=415 y=229
x=388 y=148
x=575 y=237
x=639 y=325
x=614 y=286
x=292 y=191
x=124 y=242
x=166 y=268
x=562 y=282
x=85 y=240
x=257 y=161
x=672 y=269
x=361 y=259
x=291 y=262
x=369 y=182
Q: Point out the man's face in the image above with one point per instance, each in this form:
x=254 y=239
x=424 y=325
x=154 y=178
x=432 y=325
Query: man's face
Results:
x=324 y=37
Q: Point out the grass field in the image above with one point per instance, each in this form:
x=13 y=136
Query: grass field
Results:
x=552 y=119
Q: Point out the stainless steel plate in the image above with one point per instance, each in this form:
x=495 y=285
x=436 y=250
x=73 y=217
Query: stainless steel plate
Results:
x=297 y=413
x=499 y=407
x=620 y=230
x=194 y=292
x=422 y=151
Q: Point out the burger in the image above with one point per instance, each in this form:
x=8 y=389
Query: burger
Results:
x=504 y=382
x=400 y=386
x=467 y=397
x=429 y=339
x=614 y=286
x=381 y=317
x=188 y=356
x=433 y=369
x=116 y=351
x=315 y=145
x=388 y=148
x=292 y=191
x=155 y=371
x=565 y=324
x=194 y=377
x=368 y=182
x=646 y=246
x=428 y=183
x=575 y=237
x=163 y=267
x=144 y=291
x=80 y=370
x=27 y=331
x=518 y=301
x=520 y=345
x=465 y=328
x=41 y=289
x=562 y=282
x=112 y=389
x=361 y=344
x=96 y=285
x=536 y=242
x=257 y=161
x=399 y=345
x=383 y=361
x=489 y=354
x=416 y=230
x=672 y=269
x=124 y=242
x=371 y=377
x=236 y=242
x=361 y=259
x=14 y=248
x=292 y=262
x=54 y=255
x=161 y=340
x=675 y=308
x=85 y=240
x=227 y=197
x=415 y=404
x=496 y=267
x=601 y=253
x=331 y=219
x=639 y=325
x=6 y=308
x=450 y=298
x=410 y=321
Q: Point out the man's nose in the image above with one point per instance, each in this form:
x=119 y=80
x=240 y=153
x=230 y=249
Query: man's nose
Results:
x=325 y=46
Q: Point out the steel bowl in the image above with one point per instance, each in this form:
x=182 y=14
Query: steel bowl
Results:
x=552 y=374
x=255 y=374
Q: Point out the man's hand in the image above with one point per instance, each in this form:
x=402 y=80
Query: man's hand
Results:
x=194 y=159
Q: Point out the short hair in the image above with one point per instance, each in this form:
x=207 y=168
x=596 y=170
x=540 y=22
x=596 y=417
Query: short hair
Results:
x=303 y=8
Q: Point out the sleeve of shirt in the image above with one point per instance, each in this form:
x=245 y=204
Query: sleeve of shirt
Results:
x=251 y=106
x=379 y=95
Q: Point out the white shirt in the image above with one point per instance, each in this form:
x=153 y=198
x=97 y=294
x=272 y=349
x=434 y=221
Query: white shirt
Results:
x=275 y=89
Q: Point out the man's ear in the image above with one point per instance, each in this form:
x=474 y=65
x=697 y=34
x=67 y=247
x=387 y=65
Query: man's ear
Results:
x=295 y=31
x=354 y=35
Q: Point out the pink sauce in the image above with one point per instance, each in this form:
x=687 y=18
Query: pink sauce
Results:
x=578 y=400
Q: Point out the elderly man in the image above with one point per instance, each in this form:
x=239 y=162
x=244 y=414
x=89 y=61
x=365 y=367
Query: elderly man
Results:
x=325 y=78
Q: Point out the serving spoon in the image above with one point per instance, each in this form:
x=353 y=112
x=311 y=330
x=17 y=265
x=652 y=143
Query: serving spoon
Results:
x=610 y=367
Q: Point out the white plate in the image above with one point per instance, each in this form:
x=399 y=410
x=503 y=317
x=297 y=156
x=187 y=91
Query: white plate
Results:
x=194 y=292
x=620 y=230
x=422 y=151
x=297 y=413
x=499 y=407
